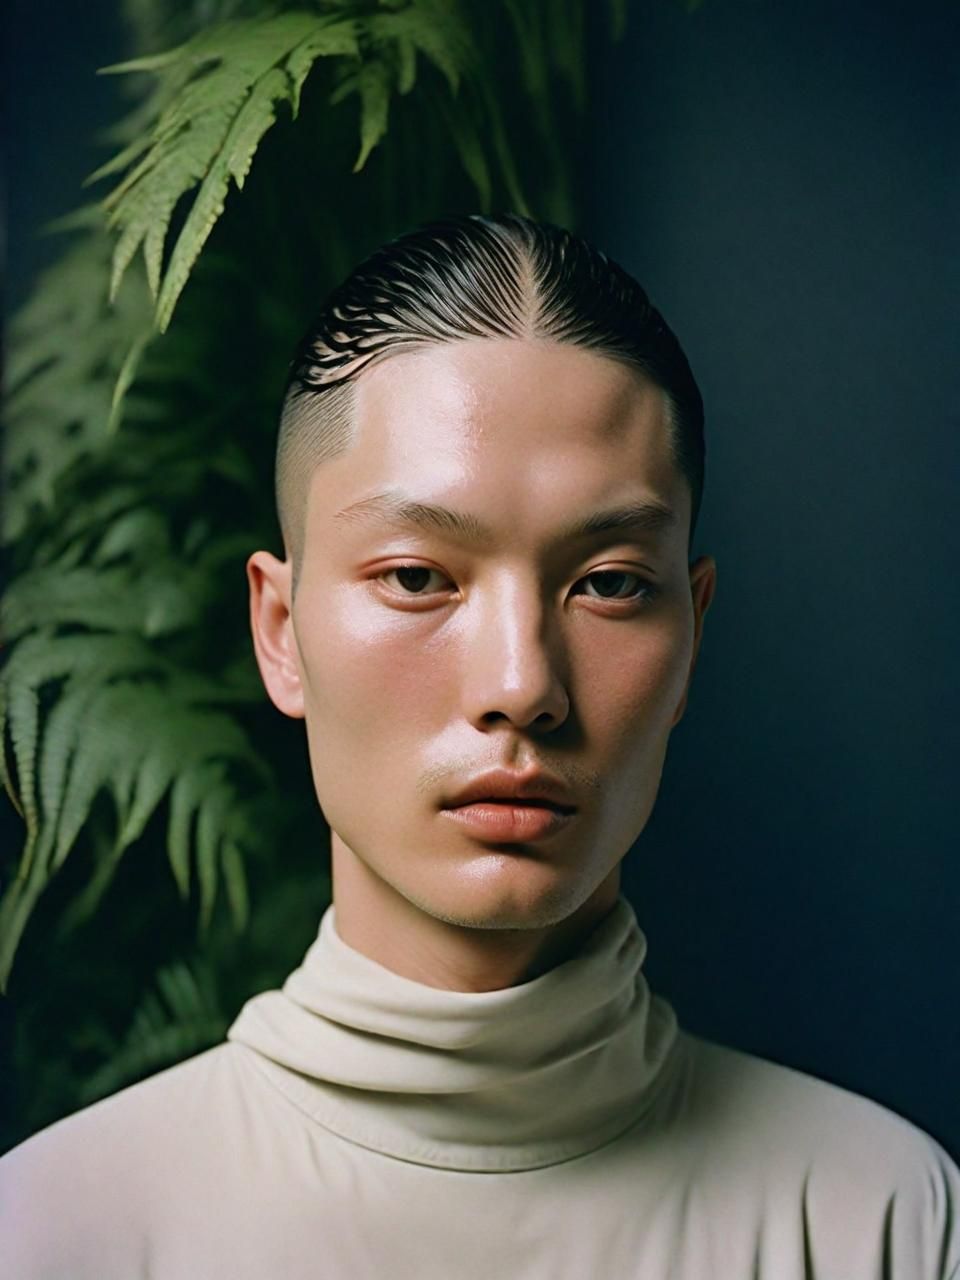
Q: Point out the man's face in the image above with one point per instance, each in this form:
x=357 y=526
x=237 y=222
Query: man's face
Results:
x=531 y=648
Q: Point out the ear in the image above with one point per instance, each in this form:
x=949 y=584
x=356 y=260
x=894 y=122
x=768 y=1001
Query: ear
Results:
x=271 y=623
x=703 y=583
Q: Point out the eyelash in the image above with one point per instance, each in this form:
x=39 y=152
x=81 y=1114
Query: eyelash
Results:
x=645 y=593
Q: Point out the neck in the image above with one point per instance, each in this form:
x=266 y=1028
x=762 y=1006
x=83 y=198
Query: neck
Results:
x=375 y=919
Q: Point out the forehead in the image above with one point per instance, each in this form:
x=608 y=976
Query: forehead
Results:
x=519 y=428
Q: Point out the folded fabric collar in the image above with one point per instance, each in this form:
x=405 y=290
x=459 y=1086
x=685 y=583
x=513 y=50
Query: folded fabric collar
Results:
x=519 y=1078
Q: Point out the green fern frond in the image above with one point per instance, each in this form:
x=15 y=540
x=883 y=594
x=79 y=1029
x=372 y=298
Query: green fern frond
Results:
x=186 y=798
x=434 y=28
x=66 y=349
x=128 y=722
x=141 y=530
x=209 y=838
x=182 y=1016
x=250 y=122
x=220 y=93
x=22 y=712
x=340 y=41
x=372 y=82
x=43 y=657
x=235 y=882
x=131 y=361
x=112 y=598
x=405 y=68
x=223 y=88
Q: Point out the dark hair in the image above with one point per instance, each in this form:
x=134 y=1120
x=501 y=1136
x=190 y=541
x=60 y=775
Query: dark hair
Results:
x=472 y=276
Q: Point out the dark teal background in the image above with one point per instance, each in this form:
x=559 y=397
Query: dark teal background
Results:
x=783 y=181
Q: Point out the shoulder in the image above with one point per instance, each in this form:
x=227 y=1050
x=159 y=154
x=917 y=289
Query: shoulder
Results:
x=191 y=1091
x=814 y=1115
x=81 y=1187
x=856 y=1167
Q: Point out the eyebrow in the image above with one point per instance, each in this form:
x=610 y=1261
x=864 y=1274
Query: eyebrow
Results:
x=391 y=507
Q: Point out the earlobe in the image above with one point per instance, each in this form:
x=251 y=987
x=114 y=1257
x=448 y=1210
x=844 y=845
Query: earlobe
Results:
x=271 y=625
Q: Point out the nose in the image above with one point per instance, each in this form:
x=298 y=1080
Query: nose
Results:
x=515 y=662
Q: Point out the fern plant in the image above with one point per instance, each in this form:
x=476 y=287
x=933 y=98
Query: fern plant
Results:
x=131 y=713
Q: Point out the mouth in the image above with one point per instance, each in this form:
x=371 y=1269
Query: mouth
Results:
x=510 y=818
x=515 y=802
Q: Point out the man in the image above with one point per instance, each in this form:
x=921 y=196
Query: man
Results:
x=488 y=475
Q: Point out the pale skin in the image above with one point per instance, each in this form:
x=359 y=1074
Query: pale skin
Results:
x=501 y=653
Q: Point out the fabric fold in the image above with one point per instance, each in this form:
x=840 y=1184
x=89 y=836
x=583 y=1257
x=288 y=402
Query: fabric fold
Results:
x=512 y=1079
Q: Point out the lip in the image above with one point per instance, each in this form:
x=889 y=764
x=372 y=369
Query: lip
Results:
x=505 y=821
x=527 y=789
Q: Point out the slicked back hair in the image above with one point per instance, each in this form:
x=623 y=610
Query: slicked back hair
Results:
x=462 y=277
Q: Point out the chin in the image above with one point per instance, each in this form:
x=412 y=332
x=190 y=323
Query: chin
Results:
x=503 y=891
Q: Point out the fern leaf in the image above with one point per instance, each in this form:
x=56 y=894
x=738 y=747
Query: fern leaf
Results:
x=436 y=29
x=35 y=662
x=224 y=86
x=252 y=122
x=128 y=371
x=168 y=737
x=188 y=790
x=122 y=160
x=146 y=200
x=336 y=39
x=180 y=1017
x=150 y=785
x=19 y=899
x=86 y=524
x=24 y=718
x=235 y=882
x=106 y=856
x=66 y=348
x=209 y=837
x=141 y=528
x=102 y=711
x=6 y=774
x=106 y=598
x=150 y=62
x=180 y=989
x=86 y=217
x=406 y=56
x=153 y=242
x=129 y=723
x=372 y=82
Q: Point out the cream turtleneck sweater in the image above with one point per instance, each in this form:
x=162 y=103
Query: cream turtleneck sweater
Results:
x=358 y=1125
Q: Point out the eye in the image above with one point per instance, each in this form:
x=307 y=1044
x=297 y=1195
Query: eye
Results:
x=413 y=578
x=611 y=584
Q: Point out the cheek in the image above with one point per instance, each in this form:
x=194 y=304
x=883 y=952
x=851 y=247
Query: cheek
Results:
x=369 y=676
x=636 y=678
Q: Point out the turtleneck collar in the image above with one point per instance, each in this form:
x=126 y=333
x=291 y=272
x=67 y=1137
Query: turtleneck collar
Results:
x=483 y=1081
